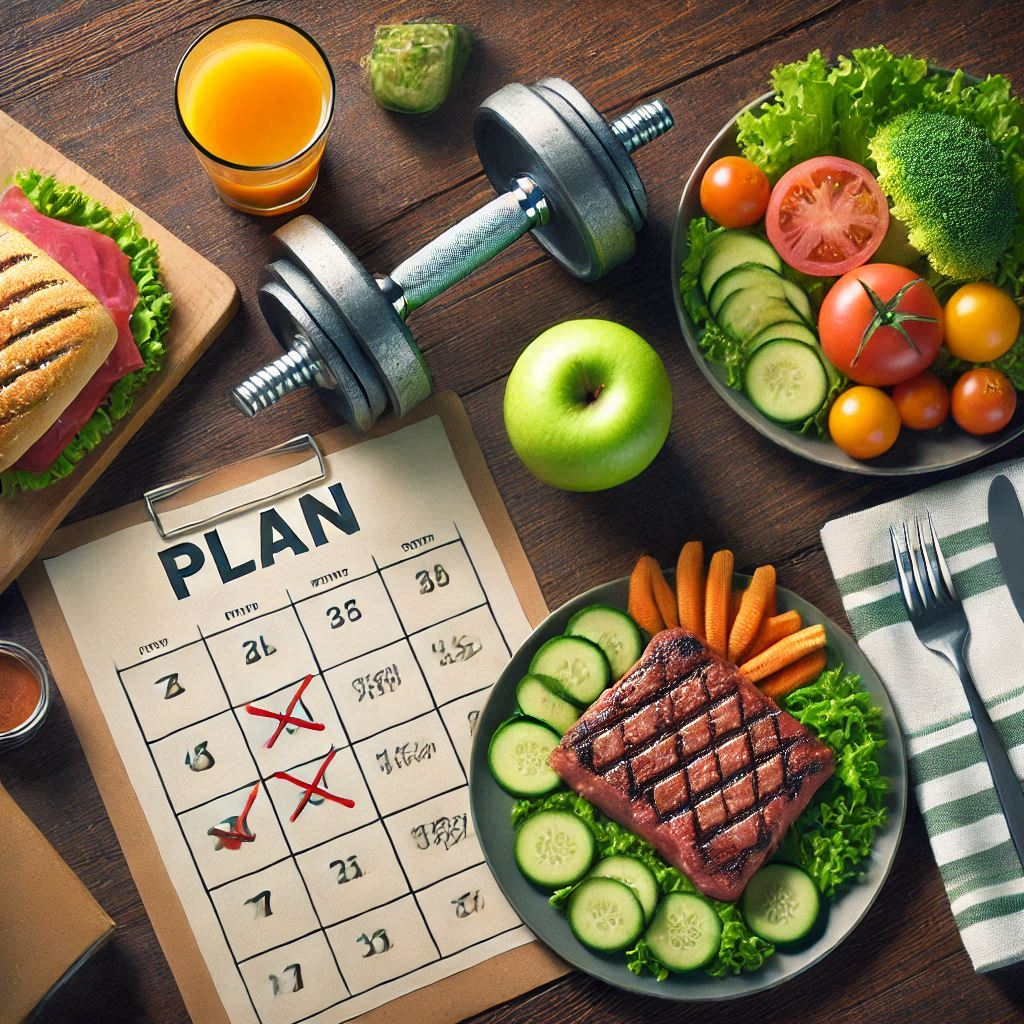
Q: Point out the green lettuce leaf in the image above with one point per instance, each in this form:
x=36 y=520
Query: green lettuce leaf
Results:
x=149 y=321
x=830 y=839
x=835 y=833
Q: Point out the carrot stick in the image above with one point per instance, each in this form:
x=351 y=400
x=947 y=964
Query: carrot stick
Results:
x=792 y=677
x=642 y=605
x=751 y=611
x=771 y=607
x=690 y=587
x=734 y=606
x=784 y=652
x=664 y=597
x=773 y=628
x=717 y=598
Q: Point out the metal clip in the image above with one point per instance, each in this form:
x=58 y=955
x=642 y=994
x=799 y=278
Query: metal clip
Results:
x=207 y=496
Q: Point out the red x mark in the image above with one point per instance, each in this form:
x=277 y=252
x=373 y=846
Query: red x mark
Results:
x=286 y=718
x=313 y=788
x=240 y=833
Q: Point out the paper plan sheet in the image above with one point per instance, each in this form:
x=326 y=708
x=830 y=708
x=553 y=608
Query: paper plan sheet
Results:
x=293 y=693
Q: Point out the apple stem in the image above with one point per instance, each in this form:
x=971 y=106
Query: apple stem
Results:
x=595 y=394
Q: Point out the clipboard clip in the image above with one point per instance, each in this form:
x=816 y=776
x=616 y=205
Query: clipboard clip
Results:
x=280 y=459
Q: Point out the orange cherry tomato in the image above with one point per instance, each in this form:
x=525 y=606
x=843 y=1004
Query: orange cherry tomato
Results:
x=864 y=422
x=734 y=192
x=984 y=401
x=981 y=322
x=922 y=402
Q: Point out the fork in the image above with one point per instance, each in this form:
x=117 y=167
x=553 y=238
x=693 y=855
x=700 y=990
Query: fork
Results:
x=937 y=615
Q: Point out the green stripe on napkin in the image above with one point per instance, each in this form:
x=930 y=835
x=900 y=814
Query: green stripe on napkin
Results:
x=980 y=868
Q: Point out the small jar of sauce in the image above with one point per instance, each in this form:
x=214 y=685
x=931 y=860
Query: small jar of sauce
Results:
x=24 y=694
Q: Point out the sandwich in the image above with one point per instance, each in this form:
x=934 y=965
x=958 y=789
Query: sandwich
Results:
x=83 y=316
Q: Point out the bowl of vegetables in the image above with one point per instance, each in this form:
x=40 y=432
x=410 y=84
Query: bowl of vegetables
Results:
x=840 y=280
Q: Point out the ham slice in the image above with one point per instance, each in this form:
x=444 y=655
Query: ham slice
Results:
x=98 y=263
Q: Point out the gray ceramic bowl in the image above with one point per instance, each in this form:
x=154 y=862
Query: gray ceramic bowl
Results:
x=914 y=452
x=491 y=806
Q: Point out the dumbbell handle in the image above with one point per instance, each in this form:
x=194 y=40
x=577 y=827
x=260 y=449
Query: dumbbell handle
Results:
x=465 y=246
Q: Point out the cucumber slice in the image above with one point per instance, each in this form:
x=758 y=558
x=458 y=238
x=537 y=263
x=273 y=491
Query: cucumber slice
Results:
x=518 y=756
x=578 y=666
x=755 y=276
x=686 y=932
x=750 y=310
x=634 y=873
x=732 y=249
x=605 y=915
x=786 y=381
x=613 y=631
x=781 y=903
x=791 y=330
x=554 y=849
x=537 y=699
x=797 y=298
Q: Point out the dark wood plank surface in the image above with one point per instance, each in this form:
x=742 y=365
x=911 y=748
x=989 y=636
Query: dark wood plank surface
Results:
x=94 y=79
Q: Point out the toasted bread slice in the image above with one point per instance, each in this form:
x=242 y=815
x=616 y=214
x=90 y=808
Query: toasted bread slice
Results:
x=54 y=335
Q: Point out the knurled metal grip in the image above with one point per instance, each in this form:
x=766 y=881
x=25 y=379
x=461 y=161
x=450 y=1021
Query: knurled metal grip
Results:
x=572 y=183
x=465 y=246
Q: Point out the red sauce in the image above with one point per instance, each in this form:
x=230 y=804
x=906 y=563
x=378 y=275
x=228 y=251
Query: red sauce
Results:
x=19 y=692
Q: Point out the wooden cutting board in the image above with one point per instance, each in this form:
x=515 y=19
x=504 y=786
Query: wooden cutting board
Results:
x=205 y=299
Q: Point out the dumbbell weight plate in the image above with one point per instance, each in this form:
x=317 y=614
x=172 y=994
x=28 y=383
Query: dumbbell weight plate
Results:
x=635 y=199
x=518 y=132
x=356 y=297
x=288 y=319
x=290 y=277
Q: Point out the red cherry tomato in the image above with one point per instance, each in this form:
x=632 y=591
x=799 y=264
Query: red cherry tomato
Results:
x=984 y=401
x=827 y=216
x=734 y=192
x=922 y=402
x=873 y=348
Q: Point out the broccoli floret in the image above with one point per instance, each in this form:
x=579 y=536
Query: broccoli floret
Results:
x=950 y=187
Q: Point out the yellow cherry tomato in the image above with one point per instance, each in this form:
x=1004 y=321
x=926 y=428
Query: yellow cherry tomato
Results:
x=981 y=322
x=864 y=422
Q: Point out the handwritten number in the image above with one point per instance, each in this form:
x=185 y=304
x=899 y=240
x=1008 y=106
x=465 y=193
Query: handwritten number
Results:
x=384 y=680
x=349 y=612
x=172 y=688
x=280 y=985
x=376 y=943
x=468 y=903
x=257 y=650
x=427 y=583
x=347 y=872
x=261 y=904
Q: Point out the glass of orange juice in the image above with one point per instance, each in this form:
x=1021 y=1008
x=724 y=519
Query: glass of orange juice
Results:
x=255 y=96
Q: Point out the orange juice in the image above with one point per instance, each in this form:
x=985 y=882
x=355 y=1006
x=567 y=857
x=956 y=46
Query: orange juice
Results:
x=255 y=96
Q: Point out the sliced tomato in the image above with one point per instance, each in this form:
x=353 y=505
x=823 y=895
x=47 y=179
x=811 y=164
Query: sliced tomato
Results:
x=827 y=216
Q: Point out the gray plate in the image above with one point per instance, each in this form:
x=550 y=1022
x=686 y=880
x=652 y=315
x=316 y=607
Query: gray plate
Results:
x=491 y=806
x=914 y=452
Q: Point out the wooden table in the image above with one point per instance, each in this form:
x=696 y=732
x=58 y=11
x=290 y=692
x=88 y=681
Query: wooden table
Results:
x=94 y=79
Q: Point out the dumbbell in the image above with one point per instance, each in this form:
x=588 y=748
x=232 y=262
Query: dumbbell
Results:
x=564 y=174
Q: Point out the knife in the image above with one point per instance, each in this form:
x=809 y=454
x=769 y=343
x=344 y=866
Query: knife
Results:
x=1006 y=524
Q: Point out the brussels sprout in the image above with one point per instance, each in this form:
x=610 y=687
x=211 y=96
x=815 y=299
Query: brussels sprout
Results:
x=414 y=67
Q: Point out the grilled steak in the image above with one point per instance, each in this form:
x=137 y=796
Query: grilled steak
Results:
x=688 y=754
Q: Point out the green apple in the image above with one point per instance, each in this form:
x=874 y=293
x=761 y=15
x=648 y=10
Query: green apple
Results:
x=588 y=405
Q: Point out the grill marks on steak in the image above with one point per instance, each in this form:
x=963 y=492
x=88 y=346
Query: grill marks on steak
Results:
x=697 y=760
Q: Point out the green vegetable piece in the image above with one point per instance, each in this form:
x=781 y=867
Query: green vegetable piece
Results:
x=414 y=67
x=950 y=186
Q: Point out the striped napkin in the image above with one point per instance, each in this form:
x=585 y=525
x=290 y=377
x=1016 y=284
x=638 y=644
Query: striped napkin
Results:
x=969 y=837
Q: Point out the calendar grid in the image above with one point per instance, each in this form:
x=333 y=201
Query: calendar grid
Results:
x=234 y=711
x=184 y=839
x=373 y=799
x=273 y=807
